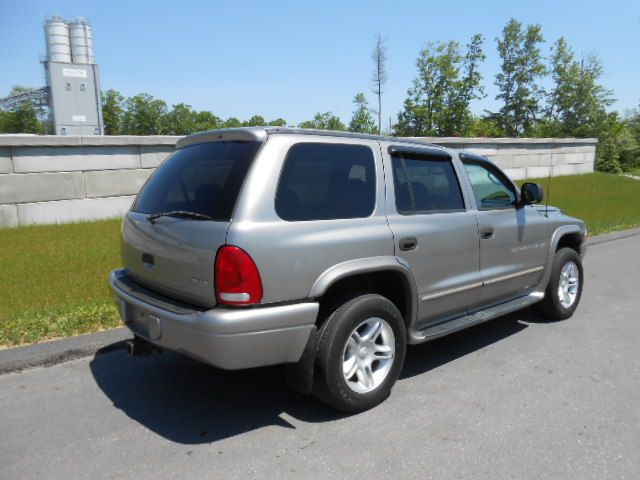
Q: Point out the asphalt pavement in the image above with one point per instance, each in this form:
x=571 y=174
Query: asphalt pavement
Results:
x=514 y=398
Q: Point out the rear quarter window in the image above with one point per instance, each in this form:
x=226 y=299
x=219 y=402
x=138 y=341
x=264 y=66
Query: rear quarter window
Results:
x=203 y=178
x=324 y=181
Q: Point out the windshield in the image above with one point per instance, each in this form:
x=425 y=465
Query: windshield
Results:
x=204 y=179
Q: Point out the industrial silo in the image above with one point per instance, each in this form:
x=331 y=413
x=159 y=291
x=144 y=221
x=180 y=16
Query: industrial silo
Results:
x=72 y=78
x=81 y=41
x=56 y=32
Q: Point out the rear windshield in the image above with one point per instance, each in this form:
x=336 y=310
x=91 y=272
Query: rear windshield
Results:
x=204 y=178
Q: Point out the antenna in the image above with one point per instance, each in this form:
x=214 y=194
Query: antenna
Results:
x=546 y=208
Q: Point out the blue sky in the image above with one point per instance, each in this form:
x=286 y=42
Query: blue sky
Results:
x=292 y=59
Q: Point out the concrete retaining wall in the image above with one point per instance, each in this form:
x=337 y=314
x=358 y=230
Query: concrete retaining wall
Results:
x=530 y=157
x=64 y=179
x=55 y=179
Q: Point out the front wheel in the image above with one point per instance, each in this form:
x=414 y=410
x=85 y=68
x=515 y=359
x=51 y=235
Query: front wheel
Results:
x=565 y=286
x=361 y=351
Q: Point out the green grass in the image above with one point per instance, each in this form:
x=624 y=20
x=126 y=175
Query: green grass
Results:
x=607 y=202
x=53 y=278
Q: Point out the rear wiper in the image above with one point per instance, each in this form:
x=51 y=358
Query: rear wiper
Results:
x=179 y=213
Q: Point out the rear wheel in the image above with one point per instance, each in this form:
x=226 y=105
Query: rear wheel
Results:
x=565 y=286
x=361 y=350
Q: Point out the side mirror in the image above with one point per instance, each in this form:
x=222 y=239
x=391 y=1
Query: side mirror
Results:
x=531 y=193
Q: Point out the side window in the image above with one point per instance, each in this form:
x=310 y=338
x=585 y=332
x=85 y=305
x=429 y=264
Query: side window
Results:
x=323 y=181
x=425 y=185
x=491 y=190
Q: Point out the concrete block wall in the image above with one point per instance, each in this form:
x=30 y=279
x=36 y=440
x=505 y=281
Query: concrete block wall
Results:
x=56 y=179
x=530 y=157
x=66 y=179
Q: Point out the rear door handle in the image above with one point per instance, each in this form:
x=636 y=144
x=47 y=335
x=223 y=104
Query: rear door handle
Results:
x=408 y=243
x=486 y=233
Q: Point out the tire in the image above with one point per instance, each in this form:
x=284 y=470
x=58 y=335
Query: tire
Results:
x=555 y=305
x=362 y=331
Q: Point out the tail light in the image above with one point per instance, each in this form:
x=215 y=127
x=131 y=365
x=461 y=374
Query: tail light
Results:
x=237 y=278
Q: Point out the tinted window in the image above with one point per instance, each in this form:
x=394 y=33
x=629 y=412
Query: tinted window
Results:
x=424 y=185
x=322 y=181
x=204 y=178
x=490 y=188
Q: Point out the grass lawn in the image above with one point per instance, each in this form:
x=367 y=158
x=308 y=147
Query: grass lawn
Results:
x=605 y=201
x=53 y=278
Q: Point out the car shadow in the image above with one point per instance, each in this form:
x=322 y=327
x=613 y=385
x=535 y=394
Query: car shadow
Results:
x=427 y=356
x=190 y=403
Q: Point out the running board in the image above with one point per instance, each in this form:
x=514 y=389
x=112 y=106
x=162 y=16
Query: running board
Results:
x=471 y=319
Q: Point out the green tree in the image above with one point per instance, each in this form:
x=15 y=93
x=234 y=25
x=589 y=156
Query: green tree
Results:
x=447 y=82
x=180 y=120
x=144 y=115
x=24 y=118
x=324 y=121
x=112 y=112
x=577 y=102
x=470 y=86
x=232 y=122
x=517 y=82
x=633 y=124
x=633 y=120
x=484 y=127
x=617 y=150
x=278 y=122
x=362 y=121
x=255 y=121
x=4 y=121
x=578 y=106
x=206 y=120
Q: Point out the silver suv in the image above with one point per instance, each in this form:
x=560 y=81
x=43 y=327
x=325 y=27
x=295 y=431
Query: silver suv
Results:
x=330 y=252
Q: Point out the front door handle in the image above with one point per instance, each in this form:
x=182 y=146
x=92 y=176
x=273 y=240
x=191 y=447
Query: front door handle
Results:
x=408 y=243
x=486 y=233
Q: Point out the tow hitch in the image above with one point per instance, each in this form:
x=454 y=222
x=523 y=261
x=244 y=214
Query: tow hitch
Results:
x=139 y=347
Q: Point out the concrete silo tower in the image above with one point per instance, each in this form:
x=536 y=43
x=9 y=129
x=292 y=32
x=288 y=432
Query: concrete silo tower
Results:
x=72 y=78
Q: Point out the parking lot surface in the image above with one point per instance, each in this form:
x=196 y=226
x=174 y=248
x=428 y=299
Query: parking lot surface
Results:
x=513 y=398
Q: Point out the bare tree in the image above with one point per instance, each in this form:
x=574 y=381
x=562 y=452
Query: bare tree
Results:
x=379 y=73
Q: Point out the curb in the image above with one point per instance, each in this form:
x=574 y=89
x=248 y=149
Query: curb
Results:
x=610 y=237
x=53 y=352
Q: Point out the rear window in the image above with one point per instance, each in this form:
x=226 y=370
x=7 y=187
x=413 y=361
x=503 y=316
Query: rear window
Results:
x=204 y=178
x=323 y=181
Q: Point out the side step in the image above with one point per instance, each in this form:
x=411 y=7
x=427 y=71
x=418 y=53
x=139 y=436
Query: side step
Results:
x=450 y=326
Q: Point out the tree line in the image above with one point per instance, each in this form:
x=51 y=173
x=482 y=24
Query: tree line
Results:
x=438 y=103
x=143 y=114
x=575 y=105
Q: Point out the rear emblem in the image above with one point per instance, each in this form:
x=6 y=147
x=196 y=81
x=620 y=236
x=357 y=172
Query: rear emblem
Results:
x=197 y=281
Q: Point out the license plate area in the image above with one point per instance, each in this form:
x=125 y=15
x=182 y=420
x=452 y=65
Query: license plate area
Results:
x=140 y=321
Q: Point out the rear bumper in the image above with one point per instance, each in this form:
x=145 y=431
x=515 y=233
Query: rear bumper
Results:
x=226 y=338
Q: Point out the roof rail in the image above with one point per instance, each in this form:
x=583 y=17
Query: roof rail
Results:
x=260 y=134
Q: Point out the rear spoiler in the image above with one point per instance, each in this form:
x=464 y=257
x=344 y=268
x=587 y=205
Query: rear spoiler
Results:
x=225 y=135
